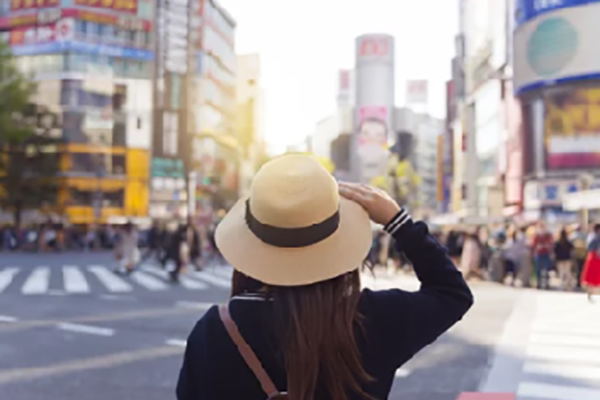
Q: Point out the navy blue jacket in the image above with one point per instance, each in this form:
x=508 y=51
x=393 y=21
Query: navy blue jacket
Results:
x=397 y=324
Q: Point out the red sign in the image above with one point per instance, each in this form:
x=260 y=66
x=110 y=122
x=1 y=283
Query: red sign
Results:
x=374 y=46
x=31 y=4
x=118 y=5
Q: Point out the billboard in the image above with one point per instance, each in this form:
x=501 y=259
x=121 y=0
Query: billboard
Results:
x=17 y=5
x=539 y=61
x=130 y=6
x=374 y=91
x=572 y=128
x=372 y=137
x=416 y=92
x=62 y=30
x=82 y=47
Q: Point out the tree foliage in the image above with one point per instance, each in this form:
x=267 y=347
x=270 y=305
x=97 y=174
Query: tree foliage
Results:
x=28 y=162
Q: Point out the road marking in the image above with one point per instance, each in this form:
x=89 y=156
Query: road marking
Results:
x=556 y=392
x=176 y=342
x=101 y=362
x=123 y=316
x=565 y=340
x=572 y=371
x=6 y=277
x=74 y=280
x=7 y=318
x=112 y=282
x=402 y=373
x=38 y=282
x=223 y=272
x=555 y=353
x=92 y=330
x=194 y=305
x=567 y=330
x=210 y=278
x=185 y=281
x=148 y=281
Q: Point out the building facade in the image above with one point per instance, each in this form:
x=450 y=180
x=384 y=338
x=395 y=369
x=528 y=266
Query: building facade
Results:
x=250 y=118
x=93 y=65
x=558 y=90
x=213 y=105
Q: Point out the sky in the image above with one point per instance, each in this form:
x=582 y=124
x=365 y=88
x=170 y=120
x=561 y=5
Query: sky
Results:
x=303 y=45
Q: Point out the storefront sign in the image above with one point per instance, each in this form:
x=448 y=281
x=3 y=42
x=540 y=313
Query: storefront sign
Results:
x=121 y=21
x=117 y=5
x=83 y=47
x=31 y=4
x=539 y=61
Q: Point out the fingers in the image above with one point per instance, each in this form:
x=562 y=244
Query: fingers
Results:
x=361 y=194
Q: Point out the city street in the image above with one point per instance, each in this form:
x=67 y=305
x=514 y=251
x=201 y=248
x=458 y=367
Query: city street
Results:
x=70 y=329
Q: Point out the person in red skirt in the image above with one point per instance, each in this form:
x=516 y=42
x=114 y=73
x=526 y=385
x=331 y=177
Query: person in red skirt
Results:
x=590 y=278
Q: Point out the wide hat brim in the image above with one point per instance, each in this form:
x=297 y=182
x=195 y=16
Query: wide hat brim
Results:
x=344 y=251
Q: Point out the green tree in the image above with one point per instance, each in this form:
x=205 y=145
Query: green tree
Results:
x=28 y=161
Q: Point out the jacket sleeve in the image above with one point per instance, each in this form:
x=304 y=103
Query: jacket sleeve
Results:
x=405 y=322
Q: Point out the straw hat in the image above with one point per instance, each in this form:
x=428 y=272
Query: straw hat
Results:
x=294 y=229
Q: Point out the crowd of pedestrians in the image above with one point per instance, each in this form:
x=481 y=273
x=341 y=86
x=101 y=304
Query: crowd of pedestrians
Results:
x=174 y=246
x=562 y=257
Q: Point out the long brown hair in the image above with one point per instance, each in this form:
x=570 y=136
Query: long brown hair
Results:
x=316 y=331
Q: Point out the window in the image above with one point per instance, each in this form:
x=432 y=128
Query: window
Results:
x=118 y=164
x=81 y=27
x=170 y=136
x=107 y=31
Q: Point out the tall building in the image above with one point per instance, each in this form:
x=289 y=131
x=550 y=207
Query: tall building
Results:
x=213 y=107
x=251 y=118
x=93 y=65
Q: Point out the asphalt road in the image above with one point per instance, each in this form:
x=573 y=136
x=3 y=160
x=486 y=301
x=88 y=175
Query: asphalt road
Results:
x=71 y=333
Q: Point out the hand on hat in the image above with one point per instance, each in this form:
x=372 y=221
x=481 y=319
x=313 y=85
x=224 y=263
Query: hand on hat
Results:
x=377 y=203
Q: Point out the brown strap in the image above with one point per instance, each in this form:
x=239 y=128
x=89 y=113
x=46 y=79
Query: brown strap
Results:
x=251 y=360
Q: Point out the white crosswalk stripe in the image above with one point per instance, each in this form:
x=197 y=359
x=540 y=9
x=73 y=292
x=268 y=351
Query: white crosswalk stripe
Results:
x=562 y=354
x=212 y=279
x=74 y=280
x=148 y=281
x=6 y=277
x=38 y=282
x=111 y=281
x=92 y=279
x=185 y=281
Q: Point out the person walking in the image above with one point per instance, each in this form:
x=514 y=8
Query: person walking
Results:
x=128 y=251
x=470 y=260
x=543 y=243
x=590 y=277
x=563 y=253
x=297 y=325
x=579 y=240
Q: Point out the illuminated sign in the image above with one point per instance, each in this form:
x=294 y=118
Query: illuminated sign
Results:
x=374 y=46
x=118 y=5
x=31 y=4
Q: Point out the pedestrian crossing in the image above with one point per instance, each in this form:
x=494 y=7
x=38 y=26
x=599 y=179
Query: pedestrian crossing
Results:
x=89 y=279
x=562 y=352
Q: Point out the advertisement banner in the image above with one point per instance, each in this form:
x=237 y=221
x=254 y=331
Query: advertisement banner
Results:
x=540 y=61
x=416 y=92
x=17 y=5
x=62 y=30
x=129 y=6
x=572 y=128
x=372 y=140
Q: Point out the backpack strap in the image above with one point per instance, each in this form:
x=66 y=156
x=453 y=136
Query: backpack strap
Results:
x=246 y=352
